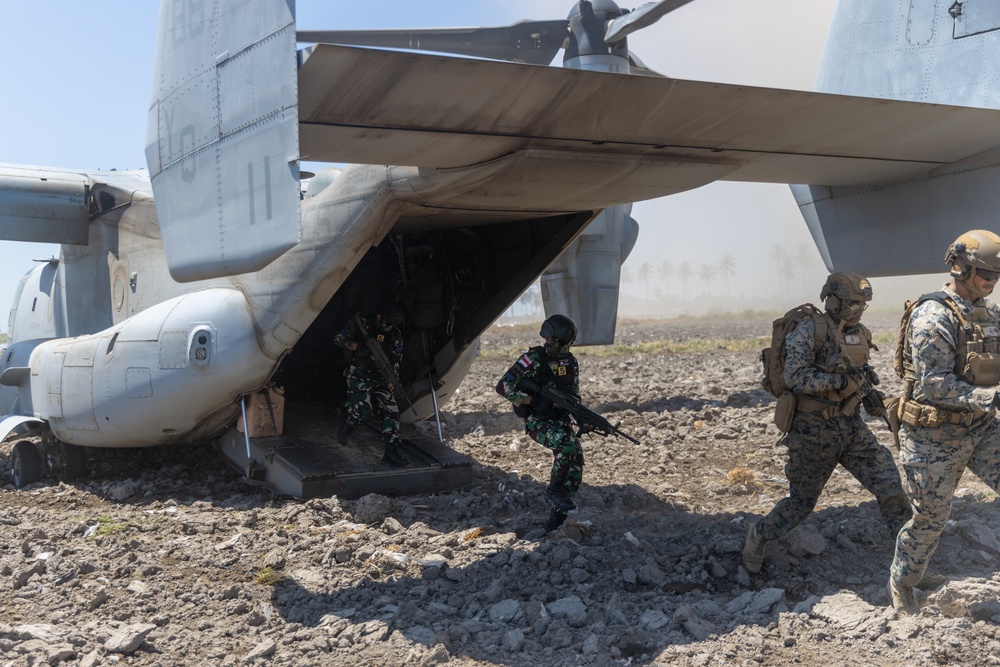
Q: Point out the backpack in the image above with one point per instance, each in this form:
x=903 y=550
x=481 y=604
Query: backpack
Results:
x=773 y=358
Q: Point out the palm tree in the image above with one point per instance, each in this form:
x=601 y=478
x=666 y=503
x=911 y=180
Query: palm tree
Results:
x=788 y=270
x=525 y=301
x=706 y=274
x=780 y=257
x=805 y=258
x=665 y=272
x=685 y=274
x=537 y=305
x=727 y=267
x=645 y=273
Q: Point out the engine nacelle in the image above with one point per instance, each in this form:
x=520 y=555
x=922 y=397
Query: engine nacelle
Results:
x=170 y=373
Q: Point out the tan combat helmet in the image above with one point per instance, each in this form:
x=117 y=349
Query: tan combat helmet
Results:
x=978 y=249
x=846 y=294
x=847 y=286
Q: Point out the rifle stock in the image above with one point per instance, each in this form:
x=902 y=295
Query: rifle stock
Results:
x=588 y=420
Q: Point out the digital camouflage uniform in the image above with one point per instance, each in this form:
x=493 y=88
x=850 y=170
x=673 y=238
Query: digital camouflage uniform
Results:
x=365 y=383
x=816 y=443
x=934 y=457
x=549 y=426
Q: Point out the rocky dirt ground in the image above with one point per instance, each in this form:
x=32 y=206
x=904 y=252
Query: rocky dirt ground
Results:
x=167 y=558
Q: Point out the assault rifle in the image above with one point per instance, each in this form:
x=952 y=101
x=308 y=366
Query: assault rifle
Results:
x=866 y=378
x=588 y=420
x=382 y=362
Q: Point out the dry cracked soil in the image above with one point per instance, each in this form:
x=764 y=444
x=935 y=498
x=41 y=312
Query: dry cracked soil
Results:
x=166 y=557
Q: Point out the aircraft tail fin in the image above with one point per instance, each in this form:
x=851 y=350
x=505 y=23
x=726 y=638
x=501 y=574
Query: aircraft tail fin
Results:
x=916 y=50
x=222 y=139
x=922 y=51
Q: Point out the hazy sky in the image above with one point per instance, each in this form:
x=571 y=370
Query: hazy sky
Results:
x=76 y=82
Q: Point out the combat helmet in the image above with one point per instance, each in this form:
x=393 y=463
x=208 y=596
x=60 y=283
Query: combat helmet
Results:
x=847 y=286
x=977 y=249
x=389 y=315
x=562 y=330
x=851 y=293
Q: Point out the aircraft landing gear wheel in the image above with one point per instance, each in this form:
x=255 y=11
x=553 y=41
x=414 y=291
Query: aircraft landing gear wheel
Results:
x=26 y=464
x=68 y=462
x=74 y=460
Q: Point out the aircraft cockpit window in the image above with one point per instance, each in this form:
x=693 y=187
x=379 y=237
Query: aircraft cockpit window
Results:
x=973 y=17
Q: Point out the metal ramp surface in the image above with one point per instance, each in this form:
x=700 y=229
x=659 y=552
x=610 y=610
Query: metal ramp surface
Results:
x=306 y=461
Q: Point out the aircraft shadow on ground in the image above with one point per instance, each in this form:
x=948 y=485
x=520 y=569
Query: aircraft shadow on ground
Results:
x=696 y=554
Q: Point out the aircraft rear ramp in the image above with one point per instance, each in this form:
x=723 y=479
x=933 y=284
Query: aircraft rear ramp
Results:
x=306 y=461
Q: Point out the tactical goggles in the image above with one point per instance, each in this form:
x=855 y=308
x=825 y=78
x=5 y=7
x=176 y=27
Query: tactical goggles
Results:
x=988 y=276
x=558 y=343
x=851 y=308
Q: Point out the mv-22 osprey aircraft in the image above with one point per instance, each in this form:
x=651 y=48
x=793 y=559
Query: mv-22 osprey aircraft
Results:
x=182 y=293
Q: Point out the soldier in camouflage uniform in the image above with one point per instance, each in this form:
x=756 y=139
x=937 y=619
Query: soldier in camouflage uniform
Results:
x=827 y=427
x=546 y=424
x=367 y=386
x=949 y=359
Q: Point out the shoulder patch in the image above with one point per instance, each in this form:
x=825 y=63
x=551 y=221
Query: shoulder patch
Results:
x=525 y=361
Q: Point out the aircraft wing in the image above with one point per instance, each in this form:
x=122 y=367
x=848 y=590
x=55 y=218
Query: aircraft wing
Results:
x=384 y=107
x=43 y=205
x=51 y=205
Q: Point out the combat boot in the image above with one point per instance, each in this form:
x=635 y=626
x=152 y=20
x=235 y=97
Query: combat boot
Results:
x=753 y=550
x=932 y=580
x=556 y=494
x=556 y=519
x=345 y=430
x=902 y=598
x=393 y=457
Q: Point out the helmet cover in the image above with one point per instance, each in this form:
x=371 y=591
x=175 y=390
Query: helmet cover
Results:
x=847 y=286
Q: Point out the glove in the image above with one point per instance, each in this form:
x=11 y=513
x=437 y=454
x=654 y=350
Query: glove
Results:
x=850 y=386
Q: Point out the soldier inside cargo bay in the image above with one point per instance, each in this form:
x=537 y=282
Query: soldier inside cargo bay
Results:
x=818 y=384
x=368 y=390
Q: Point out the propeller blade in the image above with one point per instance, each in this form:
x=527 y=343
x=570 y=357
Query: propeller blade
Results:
x=532 y=42
x=642 y=17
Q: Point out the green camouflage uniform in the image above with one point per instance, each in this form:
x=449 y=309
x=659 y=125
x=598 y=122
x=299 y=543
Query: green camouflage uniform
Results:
x=934 y=458
x=365 y=383
x=549 y=426
x=817 y=444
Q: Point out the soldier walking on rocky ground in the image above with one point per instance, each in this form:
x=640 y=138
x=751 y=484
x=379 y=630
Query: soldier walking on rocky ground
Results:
x=546 y=423
x=819 y=387
x=948 y=355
